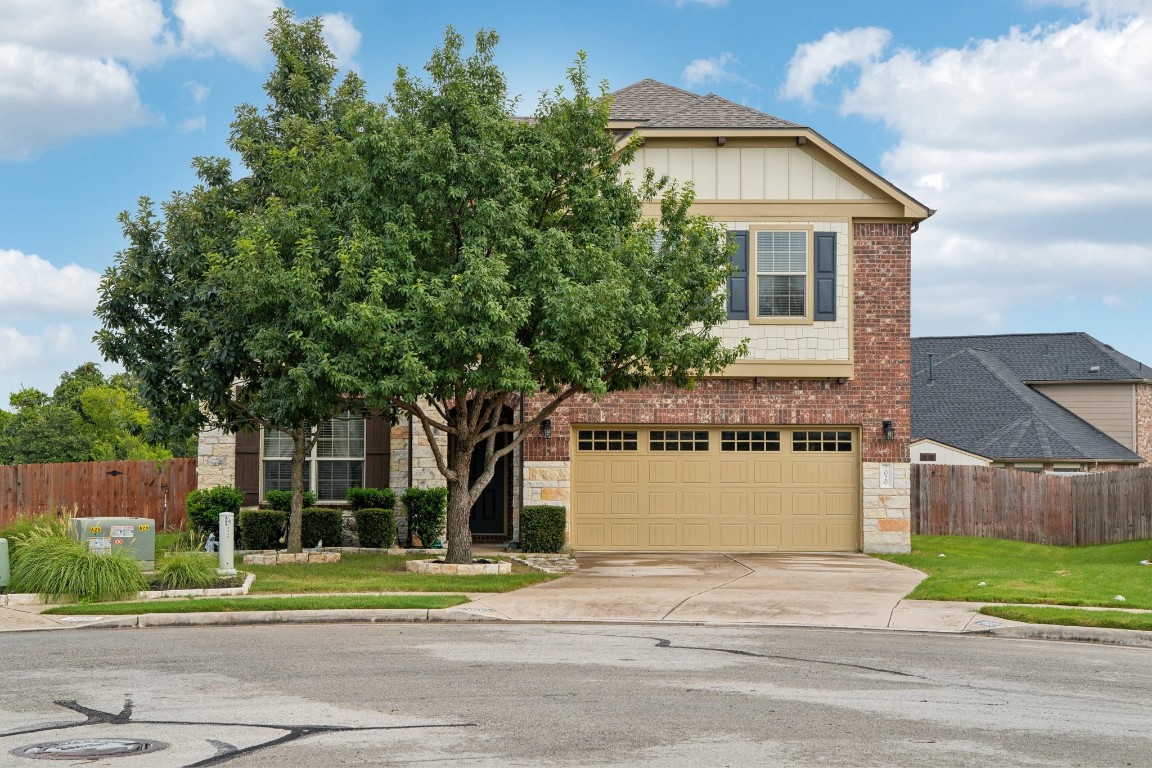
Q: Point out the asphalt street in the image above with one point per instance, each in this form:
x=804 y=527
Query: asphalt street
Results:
x=563 y=695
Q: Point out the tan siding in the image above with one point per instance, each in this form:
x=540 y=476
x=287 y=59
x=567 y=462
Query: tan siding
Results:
x=1108 y=407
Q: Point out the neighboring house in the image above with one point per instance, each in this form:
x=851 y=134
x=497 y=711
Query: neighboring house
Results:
x=802 y=446
x=1052 y=402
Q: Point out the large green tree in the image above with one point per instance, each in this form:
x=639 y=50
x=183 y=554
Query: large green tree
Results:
x=88 y=417
x=231 y=309
x=512 y=260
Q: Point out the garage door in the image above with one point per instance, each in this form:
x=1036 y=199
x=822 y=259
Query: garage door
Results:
x=740 y=489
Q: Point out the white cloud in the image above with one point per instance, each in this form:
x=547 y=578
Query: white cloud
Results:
x=342 y=37
x=46 y=320
x=814 y=64
x=198 y=92
x=188 y=125
x=233 y=27
x=128 y=30
x=34 y=287
x=702 y=71
x=49 y=98
x=1035 y=148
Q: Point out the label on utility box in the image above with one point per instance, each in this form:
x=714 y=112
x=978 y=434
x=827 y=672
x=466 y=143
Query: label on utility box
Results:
x=144 y=527
x=95 y=529
x=123 y=531
x=100 y=546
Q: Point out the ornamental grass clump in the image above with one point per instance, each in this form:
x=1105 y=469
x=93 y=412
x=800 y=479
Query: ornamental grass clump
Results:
x=58 y=567
x=187 y=570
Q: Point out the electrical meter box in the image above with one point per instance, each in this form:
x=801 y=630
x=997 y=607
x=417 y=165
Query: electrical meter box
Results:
x=134 y=536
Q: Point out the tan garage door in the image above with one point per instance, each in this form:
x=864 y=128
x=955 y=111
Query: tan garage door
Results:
x=740 y=489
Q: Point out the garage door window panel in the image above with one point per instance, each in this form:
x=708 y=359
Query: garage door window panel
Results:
x=823 y=441
x=606 y=440
x=669 y=440
x=749 y=441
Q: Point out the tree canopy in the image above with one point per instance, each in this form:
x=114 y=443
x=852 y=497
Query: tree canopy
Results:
x=231 y=307
x=88 y=417
x=511 y=259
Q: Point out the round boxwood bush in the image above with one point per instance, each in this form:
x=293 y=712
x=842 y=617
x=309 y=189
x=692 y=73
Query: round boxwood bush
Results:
x=260 y=528
x=371 y=498
x=321 y=524
x=375 y=527
x=204 y=507
x=542 y=529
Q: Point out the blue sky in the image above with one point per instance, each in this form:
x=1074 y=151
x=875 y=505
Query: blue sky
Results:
x=1028 y=124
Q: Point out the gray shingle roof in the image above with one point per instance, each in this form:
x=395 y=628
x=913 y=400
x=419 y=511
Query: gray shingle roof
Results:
x=665 y=106
x=1040 y=356
x=977 y=400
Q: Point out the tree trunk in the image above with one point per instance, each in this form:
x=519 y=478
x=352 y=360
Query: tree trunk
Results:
x=296 y=513
x=459 y=508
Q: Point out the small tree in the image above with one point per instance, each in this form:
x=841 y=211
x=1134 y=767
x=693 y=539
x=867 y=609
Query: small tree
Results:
x=231 y=309
x=512 y=260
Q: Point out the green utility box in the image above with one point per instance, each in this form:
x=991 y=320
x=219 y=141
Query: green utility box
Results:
x=134 y=536
x=5 y=574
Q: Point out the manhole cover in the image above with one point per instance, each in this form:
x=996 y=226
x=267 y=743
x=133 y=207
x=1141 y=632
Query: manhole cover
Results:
x=72 y=749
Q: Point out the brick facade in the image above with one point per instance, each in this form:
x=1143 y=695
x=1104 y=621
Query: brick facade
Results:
x=1144 y=423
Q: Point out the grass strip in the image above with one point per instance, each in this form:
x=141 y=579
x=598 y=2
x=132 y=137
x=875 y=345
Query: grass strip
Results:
x=1071 y=617
x=229 y=604
x=1000 y=571
x=382 y=573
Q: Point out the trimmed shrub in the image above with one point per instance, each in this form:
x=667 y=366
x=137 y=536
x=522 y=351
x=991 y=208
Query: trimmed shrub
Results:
x=59 y=567
x=375 y=527
x=371 y=498
x=427 y=509
x=321 y=524
x=205 y=506
x=542 y=529
x=187 y=570
x=281 y=501
x=260 y=528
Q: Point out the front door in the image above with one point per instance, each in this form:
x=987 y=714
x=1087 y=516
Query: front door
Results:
x=487 y=516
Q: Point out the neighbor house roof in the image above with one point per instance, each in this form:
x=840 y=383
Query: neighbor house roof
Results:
x=1040 y=357
x=973 y=396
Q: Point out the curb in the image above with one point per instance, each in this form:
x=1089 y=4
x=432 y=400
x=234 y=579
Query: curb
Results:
x=247 y=618
x=1131 y=638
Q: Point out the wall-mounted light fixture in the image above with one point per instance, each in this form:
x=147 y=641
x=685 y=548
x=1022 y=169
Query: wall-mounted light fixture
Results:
x=546 y=428
x=889 y=430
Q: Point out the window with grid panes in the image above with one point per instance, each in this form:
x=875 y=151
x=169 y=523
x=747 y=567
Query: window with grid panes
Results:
x=781 y=273
x=669 y=440
x=606 y=439
x=335 y=465
x=749 y=440
x=827 y=441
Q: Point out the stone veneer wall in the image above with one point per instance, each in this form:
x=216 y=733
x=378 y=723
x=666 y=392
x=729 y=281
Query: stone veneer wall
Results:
x=215 y=459
x=880 y=389
x=1144 y=423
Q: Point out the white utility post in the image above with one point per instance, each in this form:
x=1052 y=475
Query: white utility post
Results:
x=227 y=537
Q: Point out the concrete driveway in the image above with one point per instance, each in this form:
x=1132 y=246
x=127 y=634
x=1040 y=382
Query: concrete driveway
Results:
x=830 y=590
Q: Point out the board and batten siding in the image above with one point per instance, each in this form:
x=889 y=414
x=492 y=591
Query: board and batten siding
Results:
x=1111 y=408
x=747 y=173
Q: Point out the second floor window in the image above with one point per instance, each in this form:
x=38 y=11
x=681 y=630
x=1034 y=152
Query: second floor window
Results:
x=781 y=273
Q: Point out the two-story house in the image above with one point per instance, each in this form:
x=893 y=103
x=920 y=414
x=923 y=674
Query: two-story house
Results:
x=802 y=446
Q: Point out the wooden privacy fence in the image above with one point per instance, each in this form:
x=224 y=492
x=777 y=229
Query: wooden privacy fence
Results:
x=1074 y=510
x=99 y=489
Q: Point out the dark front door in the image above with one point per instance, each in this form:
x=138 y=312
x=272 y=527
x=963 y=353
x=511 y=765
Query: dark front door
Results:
x=488 y=512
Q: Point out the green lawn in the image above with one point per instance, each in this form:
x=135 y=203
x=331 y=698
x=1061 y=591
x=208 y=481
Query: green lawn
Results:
x=1014 y=572
x=228 y=604
x=381 y=573
x=1072 y=617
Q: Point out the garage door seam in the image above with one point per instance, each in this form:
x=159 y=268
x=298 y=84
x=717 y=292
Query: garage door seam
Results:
x=751 y=571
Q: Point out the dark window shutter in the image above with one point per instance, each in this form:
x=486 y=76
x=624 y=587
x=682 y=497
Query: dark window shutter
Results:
x=824 y=276
x=248 y=466
x=738 y=280
x=377 y=451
